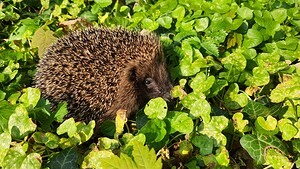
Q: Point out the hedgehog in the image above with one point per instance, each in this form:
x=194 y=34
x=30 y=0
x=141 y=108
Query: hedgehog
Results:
x=99 y=71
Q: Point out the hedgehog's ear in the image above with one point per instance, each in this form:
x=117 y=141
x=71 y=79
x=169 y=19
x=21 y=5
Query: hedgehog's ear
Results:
x=132 y=74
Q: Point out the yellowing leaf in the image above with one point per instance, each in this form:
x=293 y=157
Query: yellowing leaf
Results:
x=42 y=39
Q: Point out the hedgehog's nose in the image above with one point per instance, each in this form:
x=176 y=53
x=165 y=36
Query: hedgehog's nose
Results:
x=167 y=96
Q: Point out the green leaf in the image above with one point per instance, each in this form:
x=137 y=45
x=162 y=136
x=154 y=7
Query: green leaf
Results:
x=6 y=110
x=16 y=158
x=185 y=149
x=49 y=139
x=238 y=122
x=255 y=145
x=222 y=156
x=279 y=15
x=205 y=144
x=104 y=3
x=233 y=99
x=201 y=108
x=218 y=85
x=67 y=126
x=210 y=47
x=60 y=112
x=144 y=158
x=165 y=21
x=65 y=159
x=271 y=62
x=287 y=128
x=32 y=160
x=156 y=108
x=149 y=24
x=235 y=60
x=253 y=38
x=201 y=24
x=178 y=13
x=42 y=39
x=154 y=130
x=30 y=97
x=180 y=122
x=268 y=124
x=45 y=3
x=255 y=109
x=276 y=159
x=202 y=83
x=95 y=158
x=245 y=13
x=189 y=67
x=214 y=129
x=287 y=89
x=5 y=140
x=19 y=124
x=260 y=77
x=108 y=144
x=85 y=131
x=2 y=95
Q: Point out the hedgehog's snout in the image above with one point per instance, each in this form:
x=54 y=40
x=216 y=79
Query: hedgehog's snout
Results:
x=166 y=93
x=167 y=96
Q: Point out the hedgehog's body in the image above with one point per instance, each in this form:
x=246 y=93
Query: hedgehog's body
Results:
x=98 y=71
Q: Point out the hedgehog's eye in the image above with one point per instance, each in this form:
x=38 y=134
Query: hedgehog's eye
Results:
x=148 y=81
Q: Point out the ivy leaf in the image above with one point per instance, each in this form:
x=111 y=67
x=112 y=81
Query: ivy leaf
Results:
x=287 y=128
x=205 y=144
x=238 y=122
x=222 y=156
x=260 y=77
x=235 y=60
x=6 y=110
x=290 y=88
x=202 y=108
x=201 y=83
x=17 y=158
x=96 y=158
x=154 y=130
x=214 y=129
x=49 y=139
x=19 y=124
x=255 y=109
x=233 y=99
x=60 y=112
x=30 y=97
x=65 y=159
x=32 y=160
x=270 y=62
x=255 y=145
x=267 y=126
x=279 y=15
x=42 y=39
x=5 y=140
x=180 y=122
x=276 y=159
x=67 y=126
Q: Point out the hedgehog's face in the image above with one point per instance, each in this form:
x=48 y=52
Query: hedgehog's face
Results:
x=152 y=82
x=157 y=88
